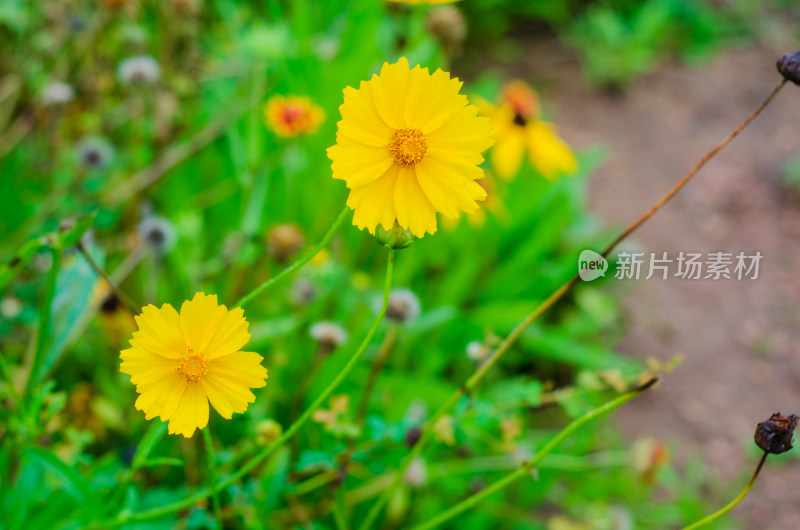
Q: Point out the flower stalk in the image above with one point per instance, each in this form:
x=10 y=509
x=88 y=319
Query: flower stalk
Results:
x=529 y=467
x=212 y=475
x=297 y=264
x=728 y=507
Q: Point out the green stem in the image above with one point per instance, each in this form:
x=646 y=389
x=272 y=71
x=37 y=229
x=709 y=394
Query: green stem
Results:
x=45 y=314
x=129 y=304
x=12 y=390
x=528 y=467
x=725 y=509
x=293 y=428
x=297 y=264
x=212 y=474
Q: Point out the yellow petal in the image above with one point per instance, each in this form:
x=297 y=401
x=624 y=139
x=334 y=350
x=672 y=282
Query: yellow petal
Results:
x=375 y=92
x=200 y=320
x=144 y=367
x=358 y=164
x=394 y=79
x=241 y=367
x=432 y=99
x=192 y=413
x=508 y=152
x=549 y=154
x=159 y=331
x=456 y=184
x=465 y=136
x=414 y=211
x=373 y=203
x=361 y=122
x=230 y=336
x=226 y=396
x=161 y=398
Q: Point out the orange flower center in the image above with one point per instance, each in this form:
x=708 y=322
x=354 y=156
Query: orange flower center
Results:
x=408 y=146
x=192 y=365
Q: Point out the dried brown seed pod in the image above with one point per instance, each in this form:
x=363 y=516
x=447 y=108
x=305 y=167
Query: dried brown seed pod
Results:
x=775 y=434
x=789 y=67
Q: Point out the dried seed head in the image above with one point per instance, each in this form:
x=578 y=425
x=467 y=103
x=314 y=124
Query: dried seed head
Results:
x=403 y=306
x=417 y=473
x=140 y=70
x=412 y=436
x=789 y=67
x=284 y=241
x=448 y=26
x=303 y=292
x=57 y=93
x=329 y=335
x=158 y=233
x=478 y=351
x=95 y=152
x=775 y=434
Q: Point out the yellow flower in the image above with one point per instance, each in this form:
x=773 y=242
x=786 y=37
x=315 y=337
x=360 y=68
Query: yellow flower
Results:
x=180 y=362
x=408 y=146
x=518 y=128
x=292 y=115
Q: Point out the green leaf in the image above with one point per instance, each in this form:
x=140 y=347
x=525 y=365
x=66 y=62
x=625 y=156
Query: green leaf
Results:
x=162 y=461
x=153 y=435
x=74 y=483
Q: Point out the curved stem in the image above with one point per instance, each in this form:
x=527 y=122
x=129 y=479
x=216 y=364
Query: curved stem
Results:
x=291 y=431
x=212 y=473
x=528 y=467
x=725 y=509
x=297 y=264
x=375 y=371
x=543 y=307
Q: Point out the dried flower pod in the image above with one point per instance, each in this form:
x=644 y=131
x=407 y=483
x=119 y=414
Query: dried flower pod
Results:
x=775 y=434
x=413 y=435
x=329 y=335
x=284 y=241
x=789 y=67
x=403 y=306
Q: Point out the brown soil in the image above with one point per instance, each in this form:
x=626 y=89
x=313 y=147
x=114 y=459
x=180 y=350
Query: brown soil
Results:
x=738 y=337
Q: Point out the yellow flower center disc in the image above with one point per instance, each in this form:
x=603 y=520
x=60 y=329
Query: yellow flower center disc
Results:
x=408 y=146
x=193 y=366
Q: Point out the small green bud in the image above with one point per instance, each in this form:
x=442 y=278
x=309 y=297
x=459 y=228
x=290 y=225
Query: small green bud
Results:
x=396 y=238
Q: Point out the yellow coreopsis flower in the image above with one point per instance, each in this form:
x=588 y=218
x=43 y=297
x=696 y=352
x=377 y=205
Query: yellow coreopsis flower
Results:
x=519 y=129
x=408 y=146
x=292 y=115
x=181 y=361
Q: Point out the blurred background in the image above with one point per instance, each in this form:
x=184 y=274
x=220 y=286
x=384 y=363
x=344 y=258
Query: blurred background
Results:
x=142 y=130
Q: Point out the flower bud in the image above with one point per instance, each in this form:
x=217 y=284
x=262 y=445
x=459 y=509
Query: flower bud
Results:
x=267 y=431
x=396 y=238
